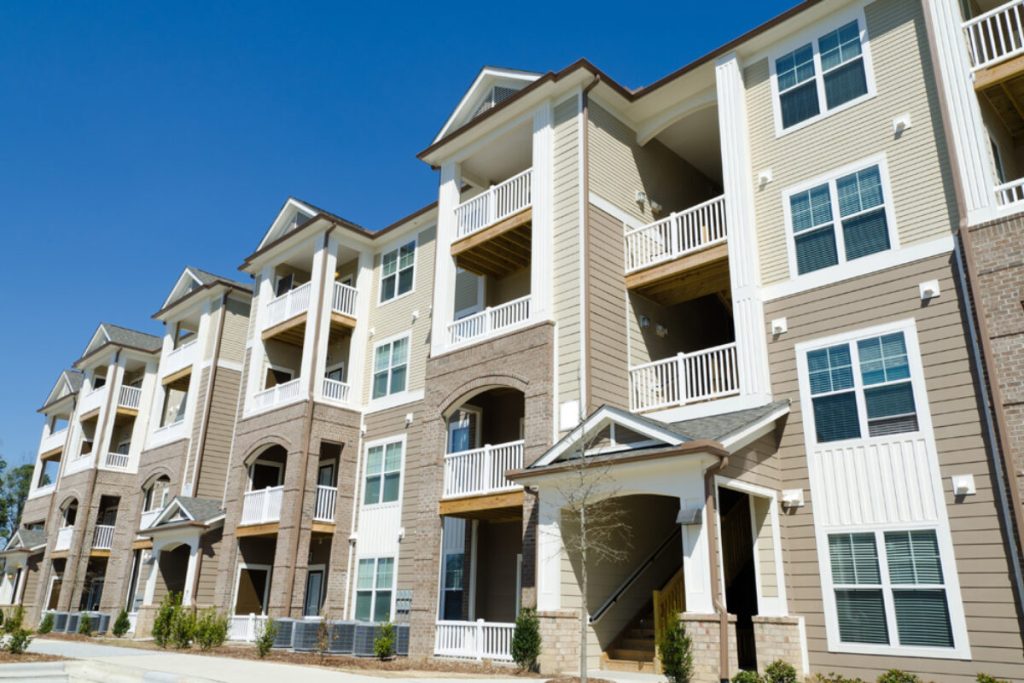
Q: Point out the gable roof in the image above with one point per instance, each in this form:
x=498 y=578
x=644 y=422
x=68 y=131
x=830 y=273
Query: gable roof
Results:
x=187 y=511
x=68 y=383
x=194 y=279
x=26 y=539
x=488 y=77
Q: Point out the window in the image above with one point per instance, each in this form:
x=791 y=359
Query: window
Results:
x=889 y=588
x=48 y=472
x=451 y=604
x=383 y=473
x=175 y=401
x=373 y=589
x=829 y=71
x=396 y=271
x=862 y=228
x=862 y=388
x=156 y=495
x=390 y=365
x=336 y=372
x=283 y=284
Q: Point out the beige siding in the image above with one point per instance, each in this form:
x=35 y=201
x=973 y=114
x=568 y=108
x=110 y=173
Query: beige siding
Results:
x=922 y=193
x=219 y=435
x=988 y=599
x=232 y=345
x=206 y=586
x=566 y=259
x=606 y=301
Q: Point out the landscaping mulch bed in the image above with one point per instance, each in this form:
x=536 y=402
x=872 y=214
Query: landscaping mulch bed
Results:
x=576 y=679
x=28 y=658
x=71 y=636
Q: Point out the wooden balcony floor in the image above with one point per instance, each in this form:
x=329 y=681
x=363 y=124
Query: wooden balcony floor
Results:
x=268 y=529
x=499 y=249
x=689 y=277
x=1003 y=87
x=291 y=331
x=503 y=506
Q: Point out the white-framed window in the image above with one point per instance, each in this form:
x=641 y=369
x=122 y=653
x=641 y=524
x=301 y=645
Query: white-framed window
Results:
x=283 y=284
x=383 y=478
x=464 y=429
x=390 y=366
x=155 y=497
x=841 y=217
x=397 y=268
x=335 y=372
x=820 y=73
x=374 y=588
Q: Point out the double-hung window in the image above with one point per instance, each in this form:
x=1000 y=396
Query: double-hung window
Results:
x=839 y=220
x=383 y=473
x=374 y=585
x=390 y=367
x=862 y=388
x=889 y=588
x=396 y=271
x=821 y=75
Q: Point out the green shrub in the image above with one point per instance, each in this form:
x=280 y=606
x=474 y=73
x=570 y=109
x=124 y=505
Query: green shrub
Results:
x=183 y=628
x=13 y=621
x=384 y=643
x=526 y=640
x=780 y=672
x=323 y=635
x=265 y=637
x=121 y=624
x=897 y=676
x=18 y=640
x=985 y=678
x=85 y=625
x=163 y=623
x=46 y=625
x=832 y=677
x=211 y=629
x=747 y=677
x=676 y=651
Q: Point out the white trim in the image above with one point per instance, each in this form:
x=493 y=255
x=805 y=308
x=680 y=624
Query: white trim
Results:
x=812 y=35
x=394 y=400
x=407 y=335
x=597 y=421
x=490 y=75
x=242 y=564
x=396 y=245
x=631 y=222
x=383 y=443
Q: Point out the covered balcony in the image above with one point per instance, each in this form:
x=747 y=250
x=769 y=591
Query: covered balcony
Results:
x=184 y=351
x=261 y=503
x=68 y=516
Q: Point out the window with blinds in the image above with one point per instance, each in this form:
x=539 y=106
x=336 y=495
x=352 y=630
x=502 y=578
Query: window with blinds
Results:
x=889 y=588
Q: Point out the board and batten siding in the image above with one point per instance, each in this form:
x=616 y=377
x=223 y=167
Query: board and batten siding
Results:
x=566 y=259
x=922 y=190
x=606 y=301
x=884 y=297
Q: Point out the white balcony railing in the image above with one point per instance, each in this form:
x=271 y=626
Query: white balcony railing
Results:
x=685 y=378
x=262 y=506
x=64 y=535
x=344 y=300
x=1010 y=193
x=676 y=235
x=996 y=35
x=103 y=537
x=335 y=390
x=278 y=395
x=489 y=321
x=129 y=397
x=482 y=470
x=117 y=461
x=245 y=627
x=474 y=640
x=287 y=306
x=326 y=497
x=182 y=357
x=489 y=207
x=52 y=442
x=149 y=517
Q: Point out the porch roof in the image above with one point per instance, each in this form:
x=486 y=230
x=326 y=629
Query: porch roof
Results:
x=185 y=511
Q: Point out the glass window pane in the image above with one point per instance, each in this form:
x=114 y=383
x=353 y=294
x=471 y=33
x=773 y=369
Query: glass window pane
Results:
x=372 y=496
x=363 y=601
x=374 y=460
x=365 y=579
x=391 y=482
x=382 y=607
x=883 y=359
x=795 y=67
x=398 y=380
x=407 y=255
x=835 y=417
x=393 y=459
x=380 y=384
x=861 y=616
x=453 y=571
x=390 y=263
x=816 y=250
x=385 y=572
x=811 y=208
x=922 y=617
x=913 y=557
x=382 y=357
x=866 y=234
x=846 y=83
x=405 y=281
x=799 y=104
x=387 y=288
x=854 y=559
x=889 y=400
x=400 y=352
x=839 y=46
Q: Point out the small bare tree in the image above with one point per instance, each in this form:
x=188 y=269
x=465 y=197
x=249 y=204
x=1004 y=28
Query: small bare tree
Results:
x=600 y=523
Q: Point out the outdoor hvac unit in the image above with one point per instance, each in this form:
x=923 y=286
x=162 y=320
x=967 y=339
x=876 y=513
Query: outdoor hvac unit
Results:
x=365 y=635
x=60 y=621
x=304 y=635
x=343 y=637
x=284 y=633
x=73 y=623
x=402 y=640
x=101 y=622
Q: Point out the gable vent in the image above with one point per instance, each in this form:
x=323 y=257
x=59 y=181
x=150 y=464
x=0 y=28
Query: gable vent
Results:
x=496 y=96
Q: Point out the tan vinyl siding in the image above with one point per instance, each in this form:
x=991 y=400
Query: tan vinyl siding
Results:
x=206 y=586
x=566 y=259
x=606 y=300
x=922 y=194
x=232 y=345
x=219 y=433
x=889 y=296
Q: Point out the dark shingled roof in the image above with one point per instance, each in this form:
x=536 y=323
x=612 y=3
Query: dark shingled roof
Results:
x=720 y=427
x=133 y=338
x=208 y=278
x=30 y=538
x=75 y=379
x=200 y=509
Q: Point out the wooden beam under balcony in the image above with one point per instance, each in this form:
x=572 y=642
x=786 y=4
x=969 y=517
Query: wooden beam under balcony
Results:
x=145 y=544
x=269 y=529
x=498 y=249
x=175 y=376
x=291 y=331
x=688 y=277
x=91 y=415
x=322 y=527
x=127 y=412
x=506 y=506
x=93 y=552
x=52 y=453
x=1003 y=71
x=1003 y=87
x=341 y=322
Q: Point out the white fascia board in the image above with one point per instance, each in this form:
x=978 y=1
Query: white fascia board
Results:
x=480 y=85
x=290 y=206
x=598 y=421
x=174 y=506
x=751 y=433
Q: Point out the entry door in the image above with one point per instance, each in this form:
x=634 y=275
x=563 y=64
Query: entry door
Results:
x=314 y=592
x=252 y=590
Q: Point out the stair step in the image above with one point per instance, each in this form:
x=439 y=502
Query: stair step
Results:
x=610 y=664
x=640 y=633
x=632 y=655
x=636 y=644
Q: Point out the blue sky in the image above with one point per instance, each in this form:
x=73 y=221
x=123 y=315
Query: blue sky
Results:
x=136 y=138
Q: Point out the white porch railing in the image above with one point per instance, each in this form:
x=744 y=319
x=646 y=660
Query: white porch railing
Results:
x=287 y=306
x=685 y=378
x=344 y=300
x=1010 y=193
x=996 y=35
x=496 y=203
x=149 y=517
x=181 y=357
x=678 y=234
x=117 y=461
x=262 y=506
x=481 y=470
x=64 y=538
x=474 y=640
x=335 y=390
x=53 y=441
x=276 y=395
x=129 y=397
x=245 y=627
x=488 y=321
x=326 y=496
x=103 y=537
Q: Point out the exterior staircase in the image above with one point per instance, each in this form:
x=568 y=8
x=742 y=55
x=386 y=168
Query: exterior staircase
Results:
x=634 y=648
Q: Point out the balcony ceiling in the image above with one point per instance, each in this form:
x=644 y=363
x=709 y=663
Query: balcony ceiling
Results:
x=1003 y=87
x=501 y=158
x=696 y=139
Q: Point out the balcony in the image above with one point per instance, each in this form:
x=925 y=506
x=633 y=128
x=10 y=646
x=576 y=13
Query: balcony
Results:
x=477 y=640
x=343 y=306
x=684 y=379
x=335 y=391
x=489 y=322
x=683 y=256
x=285 y=316
x=103 y=537
x=995 y=46
x=326 y=498
x=262 y=506
x=129 y=399
x=116 y=461
x=64 y=538
x=482 y=471
x=278 y=395
x=492 y=230
x=90 y=403
x=179 y=361
x=52 y=443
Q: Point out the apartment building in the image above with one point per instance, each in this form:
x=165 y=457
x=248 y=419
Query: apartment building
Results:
x=769 y=304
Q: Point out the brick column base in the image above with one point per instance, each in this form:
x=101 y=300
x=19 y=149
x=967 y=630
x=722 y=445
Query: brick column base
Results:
x=144 y=621
x=559 y=641
x=704 y=635
x=779 y=638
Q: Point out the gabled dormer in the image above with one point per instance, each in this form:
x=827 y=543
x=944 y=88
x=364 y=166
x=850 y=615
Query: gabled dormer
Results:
x=68 y=384
x=491 y=87
x=293 y=214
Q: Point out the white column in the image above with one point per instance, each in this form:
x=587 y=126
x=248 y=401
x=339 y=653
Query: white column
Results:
x=358 y=350
x=744 y=275
x=444 y=269
x=108 y=411
x=257 y=354
x=309 y=342
x=542 y=198
x=695 y=545
x=154 y=560
x=190 y=572
x=549 y=551
x=329 y=266
x=150 y=387
x=968 y=129
x=22 y=579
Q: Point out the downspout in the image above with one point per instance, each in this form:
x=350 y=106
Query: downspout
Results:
x=584 y=378
x=711 y=505
x=308 y=418
x=981 y=352
x=197 y=468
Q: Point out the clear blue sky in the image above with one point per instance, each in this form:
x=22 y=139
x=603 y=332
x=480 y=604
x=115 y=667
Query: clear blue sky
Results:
x=139 y=137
